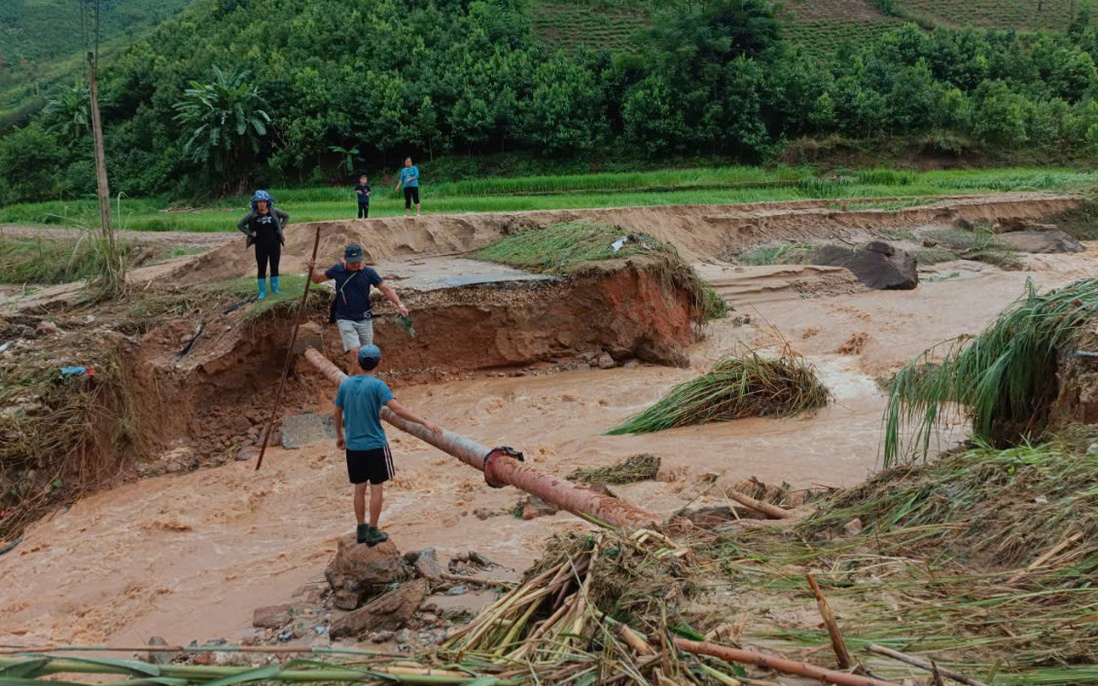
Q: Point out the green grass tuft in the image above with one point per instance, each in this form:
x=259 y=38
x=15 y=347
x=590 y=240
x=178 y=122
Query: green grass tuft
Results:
x=789 y=253
x=568 y=247
x=1004 y=380
x=561 y=248
x=737 y=387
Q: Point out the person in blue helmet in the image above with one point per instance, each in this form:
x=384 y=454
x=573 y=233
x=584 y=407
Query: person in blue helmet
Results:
x=358 y=406
x=264 y=226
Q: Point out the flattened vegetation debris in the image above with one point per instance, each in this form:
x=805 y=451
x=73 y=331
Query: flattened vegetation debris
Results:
x=641 y=467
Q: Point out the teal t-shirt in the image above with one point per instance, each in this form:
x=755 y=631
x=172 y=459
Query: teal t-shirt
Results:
x=361 y=399
x=410 y=177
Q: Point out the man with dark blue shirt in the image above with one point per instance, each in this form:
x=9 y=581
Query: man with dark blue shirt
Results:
x=352 y=311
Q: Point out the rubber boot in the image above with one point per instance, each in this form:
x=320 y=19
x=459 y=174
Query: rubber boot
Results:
x=274 y=285
x=262 y=288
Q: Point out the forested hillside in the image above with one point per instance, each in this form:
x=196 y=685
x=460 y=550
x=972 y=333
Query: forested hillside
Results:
x=281 y=91
x=34 y=33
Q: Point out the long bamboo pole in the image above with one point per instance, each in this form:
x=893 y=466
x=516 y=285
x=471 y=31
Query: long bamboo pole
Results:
x=778 y=664
x=503 y=469
x=201 y=673
x=289 y=355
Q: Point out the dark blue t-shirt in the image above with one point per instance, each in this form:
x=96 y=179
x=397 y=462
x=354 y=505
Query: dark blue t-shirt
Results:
x=353 y=291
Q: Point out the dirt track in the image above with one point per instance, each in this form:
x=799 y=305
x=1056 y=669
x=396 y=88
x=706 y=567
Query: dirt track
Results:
x=188 y=556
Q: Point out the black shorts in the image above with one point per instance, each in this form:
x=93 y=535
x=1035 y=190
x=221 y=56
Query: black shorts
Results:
x=375 y=466
x=411 y=195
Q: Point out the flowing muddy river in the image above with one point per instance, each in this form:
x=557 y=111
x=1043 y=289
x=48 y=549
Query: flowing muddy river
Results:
x=189 y=556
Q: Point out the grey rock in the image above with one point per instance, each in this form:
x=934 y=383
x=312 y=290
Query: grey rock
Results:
x=535 y=507
x=877 y=264
x=273 y=616
x=428 y=567
x=1041 y=242
x=605 y=361
x=301 y=430
x=159 y=657
x=387 y=612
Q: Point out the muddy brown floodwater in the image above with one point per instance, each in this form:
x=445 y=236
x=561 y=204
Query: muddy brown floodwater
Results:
x=189 y=556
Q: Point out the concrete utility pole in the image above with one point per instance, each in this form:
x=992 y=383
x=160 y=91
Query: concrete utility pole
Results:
x=102 y=185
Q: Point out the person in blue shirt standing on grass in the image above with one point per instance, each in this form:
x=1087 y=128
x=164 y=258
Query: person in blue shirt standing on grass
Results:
x=409 y=178
x=358 y=406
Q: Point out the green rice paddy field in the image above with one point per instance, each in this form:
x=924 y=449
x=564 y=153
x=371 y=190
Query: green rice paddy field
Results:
x=718 y=185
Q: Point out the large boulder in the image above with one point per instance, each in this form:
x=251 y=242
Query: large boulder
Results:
x=878 y=265
x=358 y=571
x=388 y=612
x=1040 y=242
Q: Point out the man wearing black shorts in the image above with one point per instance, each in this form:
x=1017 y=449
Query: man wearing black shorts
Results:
x=409 y=179
x=369 y=462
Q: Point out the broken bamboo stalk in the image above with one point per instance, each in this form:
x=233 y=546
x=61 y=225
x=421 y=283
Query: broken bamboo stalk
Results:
x=778 y=664
x=837 y=642
x=771 y=511
x=924 y=664
x=1060 y=547
x=635 y=640
x=504 y=469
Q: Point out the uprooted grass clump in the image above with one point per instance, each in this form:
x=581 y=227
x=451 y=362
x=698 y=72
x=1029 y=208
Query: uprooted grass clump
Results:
x=1004 y=380
x=637 y=468
x=570 y=247
x=739 y=386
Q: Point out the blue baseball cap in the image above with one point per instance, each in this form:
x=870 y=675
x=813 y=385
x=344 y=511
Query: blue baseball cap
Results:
x=369 y=353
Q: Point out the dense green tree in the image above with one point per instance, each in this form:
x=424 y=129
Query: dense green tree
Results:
x=29 y=159
x=224 y=118
x=67 y=112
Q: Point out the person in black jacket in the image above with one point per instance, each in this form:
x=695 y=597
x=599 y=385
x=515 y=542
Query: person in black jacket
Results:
x=264 y=226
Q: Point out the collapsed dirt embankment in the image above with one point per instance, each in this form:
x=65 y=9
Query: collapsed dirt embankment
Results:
x=701 y=233
x=195 y=387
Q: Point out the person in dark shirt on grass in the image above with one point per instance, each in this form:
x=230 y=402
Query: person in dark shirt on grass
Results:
x=358 y=406
x=362 y=190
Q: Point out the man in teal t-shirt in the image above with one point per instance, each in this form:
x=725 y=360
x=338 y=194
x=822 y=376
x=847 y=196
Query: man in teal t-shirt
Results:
x=409 y=178
x=358 y=431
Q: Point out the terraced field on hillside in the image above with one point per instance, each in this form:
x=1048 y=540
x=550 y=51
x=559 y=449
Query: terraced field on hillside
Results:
x=1023 y=15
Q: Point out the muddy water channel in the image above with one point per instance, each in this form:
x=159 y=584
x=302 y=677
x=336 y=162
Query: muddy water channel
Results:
x=189 y=556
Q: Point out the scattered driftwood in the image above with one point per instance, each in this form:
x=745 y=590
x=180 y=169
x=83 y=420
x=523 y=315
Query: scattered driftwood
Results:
x=771 y=511
x=837 y=642
x=778 y=664
x=924 y=664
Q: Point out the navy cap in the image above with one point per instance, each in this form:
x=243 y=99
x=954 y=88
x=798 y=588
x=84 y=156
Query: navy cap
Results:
x=353 y=253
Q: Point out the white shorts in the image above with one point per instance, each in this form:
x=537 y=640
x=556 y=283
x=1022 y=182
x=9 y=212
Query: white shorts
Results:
x=355 y=334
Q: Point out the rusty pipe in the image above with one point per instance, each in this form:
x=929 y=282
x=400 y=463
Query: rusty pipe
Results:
x=503 y=469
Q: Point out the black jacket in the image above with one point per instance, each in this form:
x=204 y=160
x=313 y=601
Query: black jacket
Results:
x=245 y=225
